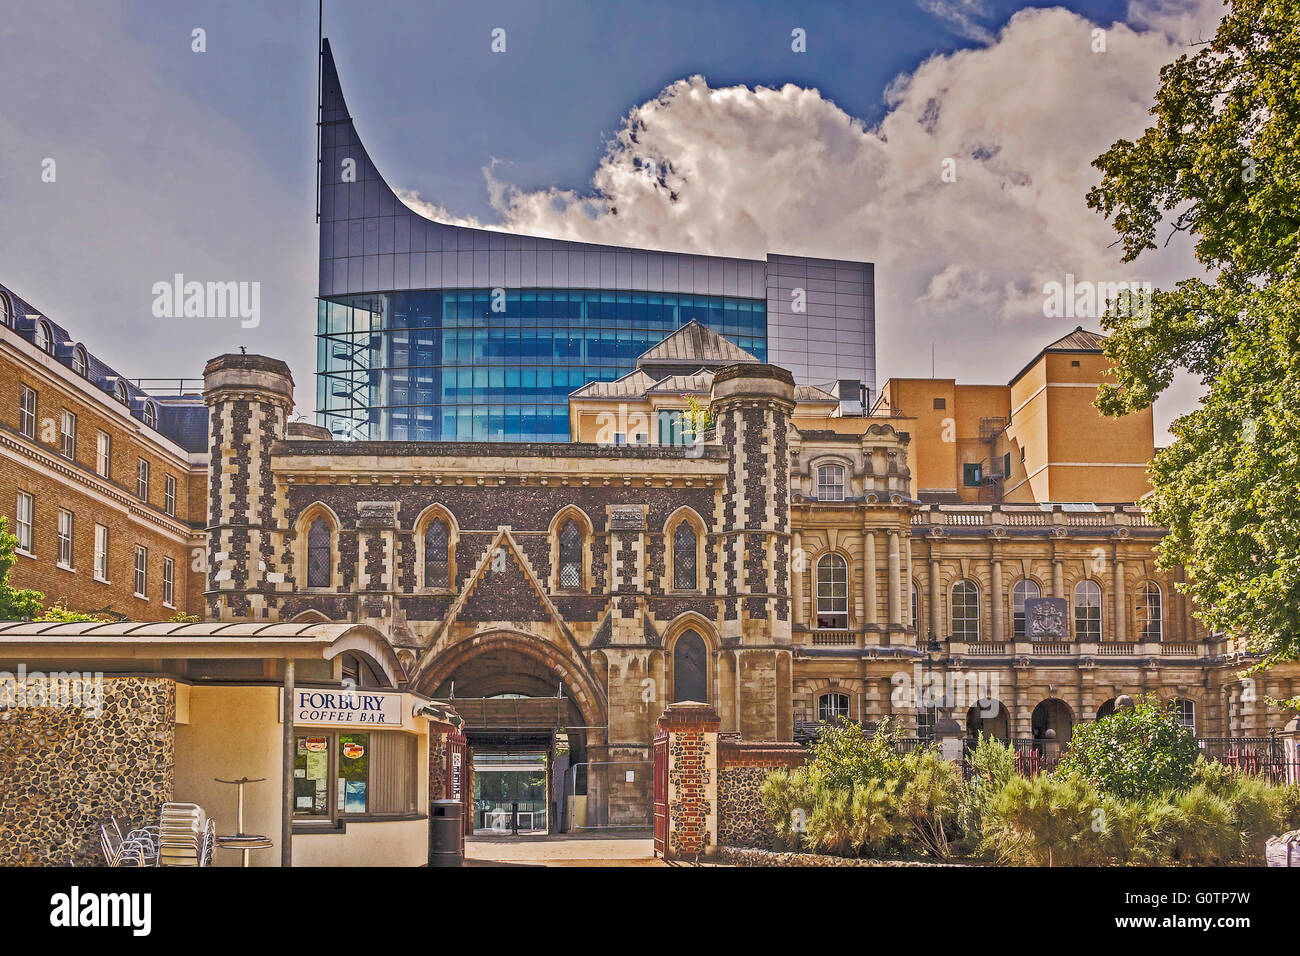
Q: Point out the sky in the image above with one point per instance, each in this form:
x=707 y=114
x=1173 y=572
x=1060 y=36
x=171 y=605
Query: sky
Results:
x=948 y=141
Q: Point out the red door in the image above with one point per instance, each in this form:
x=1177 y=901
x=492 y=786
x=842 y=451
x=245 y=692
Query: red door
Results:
x=661 y=794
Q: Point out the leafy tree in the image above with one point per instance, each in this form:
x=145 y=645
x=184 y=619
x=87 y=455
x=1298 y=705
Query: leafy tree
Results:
x=58 y=612
x=15 y=604
x=844 y=755
x=1135 y=752
x=1220 y=164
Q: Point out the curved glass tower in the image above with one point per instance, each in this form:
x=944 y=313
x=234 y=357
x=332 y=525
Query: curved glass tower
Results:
x=433 y=332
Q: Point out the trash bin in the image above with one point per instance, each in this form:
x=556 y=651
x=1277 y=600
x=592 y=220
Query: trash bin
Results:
x=446 y=835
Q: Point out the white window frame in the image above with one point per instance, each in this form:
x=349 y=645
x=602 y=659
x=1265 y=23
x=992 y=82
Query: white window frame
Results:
x=964 y=634
x=66 y=525
x=169 y=582
x=1079 y=633
x=68 y=434
x=1024 y=621
x=832 y=490
x=1144 y=619
x=828 y=713
x=141 y=572
x=101 y=553
x=828 y=603
x=104 y=454
x=28 y=409
x=169 y=494
x=25 y=521
x=142 y=479
x=1185 y=711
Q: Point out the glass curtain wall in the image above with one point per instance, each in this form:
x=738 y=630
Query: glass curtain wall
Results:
x=471 y=365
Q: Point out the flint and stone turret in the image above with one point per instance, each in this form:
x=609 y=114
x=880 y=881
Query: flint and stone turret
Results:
x=249 y=398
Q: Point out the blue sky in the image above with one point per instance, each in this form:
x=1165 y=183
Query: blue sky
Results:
x=203 y=163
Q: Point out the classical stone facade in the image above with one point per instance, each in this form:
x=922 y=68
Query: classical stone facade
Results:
x=67 y=768
x=781 y=573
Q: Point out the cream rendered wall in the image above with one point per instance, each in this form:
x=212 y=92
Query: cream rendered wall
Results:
x=235 y=732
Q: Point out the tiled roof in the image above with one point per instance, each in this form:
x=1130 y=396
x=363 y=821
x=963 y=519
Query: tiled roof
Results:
x=696 y=345
x=811 y=393
x=632 y=385
x=1080 y=340
x=700 y=382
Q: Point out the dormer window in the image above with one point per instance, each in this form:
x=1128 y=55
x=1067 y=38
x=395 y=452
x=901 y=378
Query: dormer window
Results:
x=150 y=414
x=119 y=392
x=80 y=363
x=6 y=315
x=830 y=483
x=44 y=340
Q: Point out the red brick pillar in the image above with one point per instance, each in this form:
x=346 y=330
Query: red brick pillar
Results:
x=692 y=730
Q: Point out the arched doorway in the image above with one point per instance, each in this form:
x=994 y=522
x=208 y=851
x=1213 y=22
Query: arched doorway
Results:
x=535 y=719
x=990 y=718
x=1052 y=724
x=1106 y=709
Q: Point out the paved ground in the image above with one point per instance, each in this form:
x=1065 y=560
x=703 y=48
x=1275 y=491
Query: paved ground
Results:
x=615 y=849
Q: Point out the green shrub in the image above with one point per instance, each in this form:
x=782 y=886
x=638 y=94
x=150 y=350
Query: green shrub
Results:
x=1135 y=832
x=1201 y=828
x=929 y=801
x=844 y=755
x=844 y=823
x=1136 y=752
x=1048 y=819
x=787 y=800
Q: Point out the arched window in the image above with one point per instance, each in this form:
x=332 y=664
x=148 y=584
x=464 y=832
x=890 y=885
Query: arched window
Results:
x=570 y=555
x=832 y=593
x=830 y=483
x=1185 y=711
x=690 y=668
x=318 y=554
x=6 y=313
x=916 y=607
x=1150 y=619
x=685 y=557
x=830 y=706
x=150 y=414
x=965 y=611
x=436 y=541
x=1087 y=611
x=80 y=363
x=119 y=392
x=1023 y=591
x=44 y=341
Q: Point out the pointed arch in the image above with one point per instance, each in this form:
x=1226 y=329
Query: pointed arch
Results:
x=690 y=658
x=571 y=554
x=684 y=571
x=317 y=525
x=435 y=549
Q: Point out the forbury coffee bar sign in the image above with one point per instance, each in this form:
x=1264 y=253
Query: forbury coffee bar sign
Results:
x=343 y=707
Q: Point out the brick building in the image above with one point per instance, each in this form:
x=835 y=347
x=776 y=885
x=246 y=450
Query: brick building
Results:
x=103 y=482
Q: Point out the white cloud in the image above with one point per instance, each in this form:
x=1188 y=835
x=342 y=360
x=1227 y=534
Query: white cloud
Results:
x=961 y=16
x=740 y=171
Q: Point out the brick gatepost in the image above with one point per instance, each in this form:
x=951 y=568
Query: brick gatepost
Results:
x=692 y=730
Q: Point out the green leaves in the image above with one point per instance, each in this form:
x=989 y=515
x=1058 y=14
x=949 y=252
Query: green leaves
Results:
x=1221 y=162
x=15 y=605
x=1138 y=752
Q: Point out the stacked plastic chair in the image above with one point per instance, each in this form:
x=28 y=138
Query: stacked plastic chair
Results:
x=184 y=836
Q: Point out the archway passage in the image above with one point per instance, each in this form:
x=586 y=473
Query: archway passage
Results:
x=1106 y=709
x=1052 y=722
x=535 y=725
x=990 y=718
